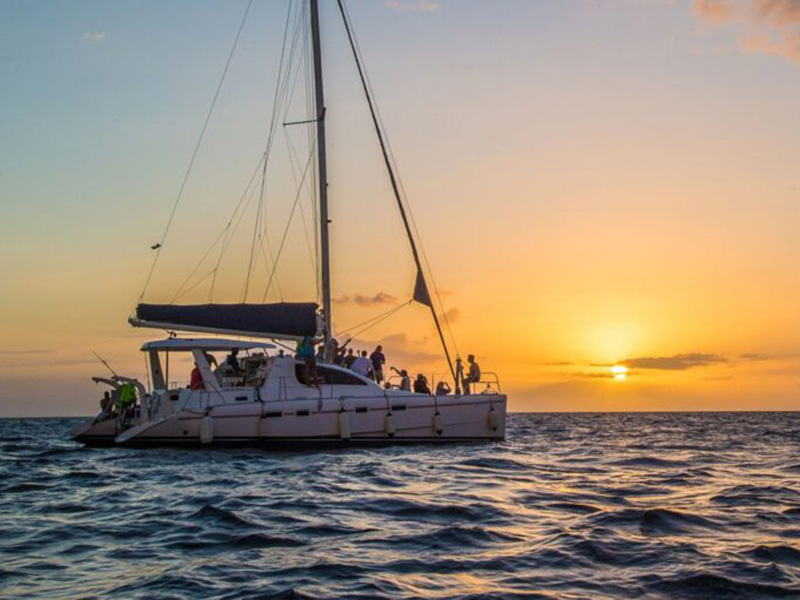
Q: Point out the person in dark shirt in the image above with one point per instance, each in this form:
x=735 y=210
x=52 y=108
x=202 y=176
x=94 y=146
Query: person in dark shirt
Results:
x=473 y=375
x=232 y=361
x=349 y=358
x=421 y=385
x=378 y=360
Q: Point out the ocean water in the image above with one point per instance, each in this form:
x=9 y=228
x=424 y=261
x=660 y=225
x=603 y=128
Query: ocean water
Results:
x=570 y=506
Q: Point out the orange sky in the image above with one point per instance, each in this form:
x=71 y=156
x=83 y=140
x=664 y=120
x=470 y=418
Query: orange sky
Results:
x=594 y=184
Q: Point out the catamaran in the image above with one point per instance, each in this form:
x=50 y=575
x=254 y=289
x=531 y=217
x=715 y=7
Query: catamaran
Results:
x=270 y=397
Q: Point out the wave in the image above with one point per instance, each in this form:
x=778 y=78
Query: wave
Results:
x=656 y=521
x=709 y=585
x=220 y=515
x=648 y=462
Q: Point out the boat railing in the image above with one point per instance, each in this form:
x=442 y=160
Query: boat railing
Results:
x=489 y=384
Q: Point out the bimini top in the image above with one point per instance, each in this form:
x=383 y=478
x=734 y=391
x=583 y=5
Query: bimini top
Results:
x=187 y=344
x=285 y=320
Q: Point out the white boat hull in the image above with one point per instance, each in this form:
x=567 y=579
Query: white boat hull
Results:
x=321 y=422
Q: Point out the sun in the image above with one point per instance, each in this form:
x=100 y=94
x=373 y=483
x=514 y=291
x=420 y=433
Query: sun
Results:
x=620 y=372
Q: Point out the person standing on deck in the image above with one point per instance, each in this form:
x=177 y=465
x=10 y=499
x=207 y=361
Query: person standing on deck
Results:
x=378 y=360
x=349 y=358
x=305 y=352
x=362 y=365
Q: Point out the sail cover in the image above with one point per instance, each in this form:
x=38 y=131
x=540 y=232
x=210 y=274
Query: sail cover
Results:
x=285 y=319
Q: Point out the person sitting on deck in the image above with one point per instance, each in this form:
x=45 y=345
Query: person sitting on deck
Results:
x=105 y=402
x=474 y=374
x=442 y=388
x=362 y=365
x=232 y=361
x=405 y=380
x=421 y=385
x=196 y=379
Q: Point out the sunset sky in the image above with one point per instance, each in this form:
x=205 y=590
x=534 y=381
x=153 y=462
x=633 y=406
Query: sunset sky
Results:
x=596 y=183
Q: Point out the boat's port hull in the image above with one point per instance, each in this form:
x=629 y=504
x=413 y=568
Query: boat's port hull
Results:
x=96 y=433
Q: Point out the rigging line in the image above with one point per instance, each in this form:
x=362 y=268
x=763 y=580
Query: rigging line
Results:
x=405 y=195
x=302 y=212
x=282 y=98
x=311 y=131
x=269 y=264
x=357 y=325
x=288 y=224
x=196 y=150
x=194 y=285
x=379 y=133
x=232 y=233
x=275 y=103
x=226 y=230
x=220 y=237
x=381 y=320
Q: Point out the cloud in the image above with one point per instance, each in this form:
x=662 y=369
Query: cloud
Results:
x=752 y=357
x=714 y=11
x=413 y=5
x=25 y=352
x=451 y=315
x=55 y=363
x=362 y=300
x=765 y=26
x=94 y=38
x=402 y=351
x=593 y=375
x=677 y=362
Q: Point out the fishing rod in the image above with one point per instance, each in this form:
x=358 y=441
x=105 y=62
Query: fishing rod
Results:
x=100 y=358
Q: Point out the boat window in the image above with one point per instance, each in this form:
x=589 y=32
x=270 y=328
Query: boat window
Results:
x=330 y=376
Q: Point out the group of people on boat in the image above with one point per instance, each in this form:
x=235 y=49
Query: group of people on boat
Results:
x=230 y=366
x=370 y=365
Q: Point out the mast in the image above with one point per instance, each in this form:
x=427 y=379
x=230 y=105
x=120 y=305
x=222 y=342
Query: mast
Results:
x=322 y=167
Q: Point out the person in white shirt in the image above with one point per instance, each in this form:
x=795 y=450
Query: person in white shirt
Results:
x=362 y=365
x=405 y=380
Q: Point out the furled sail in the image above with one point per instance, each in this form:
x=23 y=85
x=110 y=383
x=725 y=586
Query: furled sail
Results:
x=280 y=320
x=421 y=293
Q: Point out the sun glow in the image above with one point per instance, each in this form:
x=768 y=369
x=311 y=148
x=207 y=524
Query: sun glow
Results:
x=620 y=372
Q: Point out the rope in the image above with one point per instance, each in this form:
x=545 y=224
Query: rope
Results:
x=379 y=130
x=288 y=224
x=280 y=87
x=369 y=322
x=196 y=150
x=357 y=49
